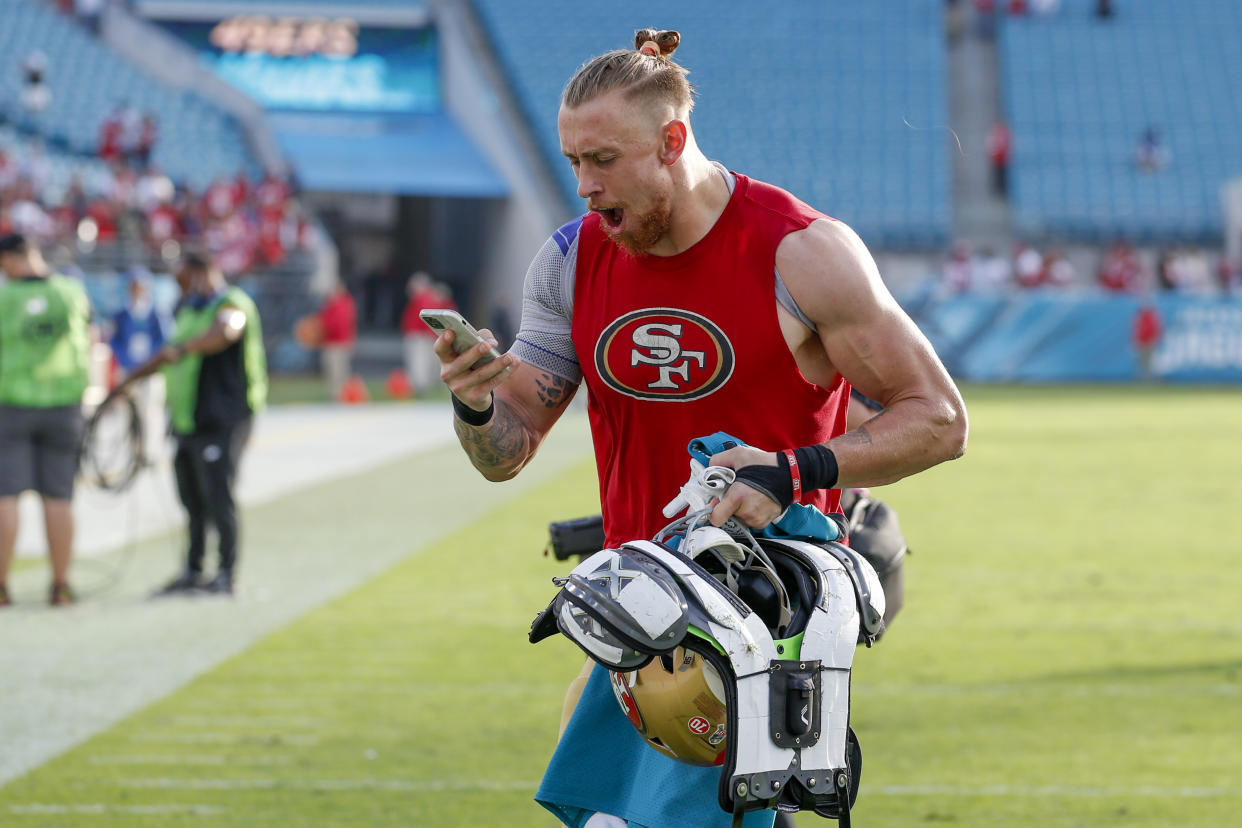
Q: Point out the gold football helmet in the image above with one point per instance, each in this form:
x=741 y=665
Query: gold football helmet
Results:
x=677 y=703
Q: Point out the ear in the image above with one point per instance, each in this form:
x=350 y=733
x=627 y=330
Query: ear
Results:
x=674 y=135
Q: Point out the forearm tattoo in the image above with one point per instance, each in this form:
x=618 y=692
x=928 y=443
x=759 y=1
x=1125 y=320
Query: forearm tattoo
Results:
x=553 y=390
x=500 y=445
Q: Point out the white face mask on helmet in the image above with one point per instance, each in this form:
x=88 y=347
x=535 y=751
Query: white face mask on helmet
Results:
x=764 y=629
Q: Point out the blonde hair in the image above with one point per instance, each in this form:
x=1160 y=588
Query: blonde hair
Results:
x=646 y=71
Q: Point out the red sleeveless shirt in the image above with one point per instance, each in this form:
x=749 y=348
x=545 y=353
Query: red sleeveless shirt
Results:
x=678 y=347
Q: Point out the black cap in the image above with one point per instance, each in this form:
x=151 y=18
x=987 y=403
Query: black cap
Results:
x=13 y=243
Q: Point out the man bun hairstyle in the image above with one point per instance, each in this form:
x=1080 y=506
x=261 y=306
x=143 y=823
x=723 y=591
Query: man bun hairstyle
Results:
x=646 y=71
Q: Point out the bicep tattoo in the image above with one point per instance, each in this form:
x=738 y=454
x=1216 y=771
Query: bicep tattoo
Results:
x=553 y=391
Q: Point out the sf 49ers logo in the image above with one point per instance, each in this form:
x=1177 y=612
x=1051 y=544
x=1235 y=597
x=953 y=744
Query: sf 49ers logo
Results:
x=664 y=354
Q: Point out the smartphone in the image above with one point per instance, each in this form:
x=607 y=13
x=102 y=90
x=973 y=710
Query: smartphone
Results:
x=465 y=336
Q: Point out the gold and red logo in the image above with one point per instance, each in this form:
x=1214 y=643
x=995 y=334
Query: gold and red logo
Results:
x=664 y=354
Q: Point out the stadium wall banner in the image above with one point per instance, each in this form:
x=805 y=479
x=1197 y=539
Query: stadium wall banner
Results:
x=323 y=65
x=1076 y=337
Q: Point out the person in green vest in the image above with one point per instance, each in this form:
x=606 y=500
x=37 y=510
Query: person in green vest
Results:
x=216 y=374
x=45 y=340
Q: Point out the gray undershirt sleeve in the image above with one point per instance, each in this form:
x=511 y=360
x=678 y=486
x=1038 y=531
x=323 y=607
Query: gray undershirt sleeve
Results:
x=544 y=339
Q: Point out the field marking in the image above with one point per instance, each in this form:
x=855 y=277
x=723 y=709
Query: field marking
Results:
x=424 y=785
x=279 y=739
x=363 y=784
x=247 y=721
x=186 y=759
x=46 y=809
x=1082 y=791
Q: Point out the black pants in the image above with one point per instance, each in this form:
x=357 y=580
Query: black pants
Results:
x=206 y=468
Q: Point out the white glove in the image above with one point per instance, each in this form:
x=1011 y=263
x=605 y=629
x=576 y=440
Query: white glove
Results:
x=705 y=485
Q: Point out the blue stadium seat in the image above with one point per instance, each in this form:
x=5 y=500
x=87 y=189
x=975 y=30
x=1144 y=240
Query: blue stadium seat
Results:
x=840 y=103
x=1080 y=91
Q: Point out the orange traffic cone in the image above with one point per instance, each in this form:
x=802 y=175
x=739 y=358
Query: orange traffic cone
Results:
x=354 y=390
x=399 y=387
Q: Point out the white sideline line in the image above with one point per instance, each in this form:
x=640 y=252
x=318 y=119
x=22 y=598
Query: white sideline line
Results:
x=1081 y=791
x=365 y=784
x=247 y=721
x=281 y=739
x=45 y=808
x=187 y=759
x=416 y=785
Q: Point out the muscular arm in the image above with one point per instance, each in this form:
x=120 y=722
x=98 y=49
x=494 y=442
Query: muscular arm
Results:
x=871 y=342
x=528 y=402
x=865 y=336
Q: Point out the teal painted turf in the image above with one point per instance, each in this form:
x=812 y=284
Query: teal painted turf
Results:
x=1070 y=653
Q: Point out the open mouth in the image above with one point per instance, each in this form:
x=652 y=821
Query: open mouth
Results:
x=612 y=216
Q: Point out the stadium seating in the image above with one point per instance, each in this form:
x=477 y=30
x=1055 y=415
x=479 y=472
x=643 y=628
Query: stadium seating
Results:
x=858 y=132
x=1079 y=92
x=197 y=142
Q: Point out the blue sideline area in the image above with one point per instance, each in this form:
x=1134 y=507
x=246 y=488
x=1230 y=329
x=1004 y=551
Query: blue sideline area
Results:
x=1051 y=337
x=1079 y=92
x=843 y=104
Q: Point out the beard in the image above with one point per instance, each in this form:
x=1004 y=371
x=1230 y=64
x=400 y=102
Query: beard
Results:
x=650 y=227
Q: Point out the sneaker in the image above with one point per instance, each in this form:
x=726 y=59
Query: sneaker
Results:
x=185 y=582
x=61 y=595
x=221 y=584
x=5 y=600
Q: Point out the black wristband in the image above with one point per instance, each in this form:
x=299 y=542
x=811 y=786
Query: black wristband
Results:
x=818 y=466
x=469 y=416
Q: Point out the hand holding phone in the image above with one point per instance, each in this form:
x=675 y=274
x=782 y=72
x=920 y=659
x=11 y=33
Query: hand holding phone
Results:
x=465 y=336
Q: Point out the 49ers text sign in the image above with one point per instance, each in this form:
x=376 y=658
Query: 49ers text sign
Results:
x=664 y=354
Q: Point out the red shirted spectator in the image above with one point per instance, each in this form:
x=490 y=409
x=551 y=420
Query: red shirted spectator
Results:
x=1120 y=272
x=110 y=133
x=338 y=320
x=163 y=224
x=1028 y=266
x=421 y=362
x=272 y=195
x=1148 y=328
x=220 y=199
x=1000 y=145
x=103 y=214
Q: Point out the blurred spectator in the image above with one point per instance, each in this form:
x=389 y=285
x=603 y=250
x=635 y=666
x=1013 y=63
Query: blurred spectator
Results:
x=1148 y=328
x=985 y=18
x=1183 y=271
x=338 y=321
x=1000 y=145
x=958 y=267
x=138 y=329
x=991 y=271
x=148 y=133
x=1028 y=266
x=1120 y=271
x=1058 y=271
x=1151 y=154
x=1229 y=273
x=35 y=94
x=110 y=139
x=1103 y=9
x=1045 y=7
x=421 y=363
x=89 y=12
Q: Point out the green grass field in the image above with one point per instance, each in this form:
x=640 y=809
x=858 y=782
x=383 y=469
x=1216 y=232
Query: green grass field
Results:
x=1070 y=652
